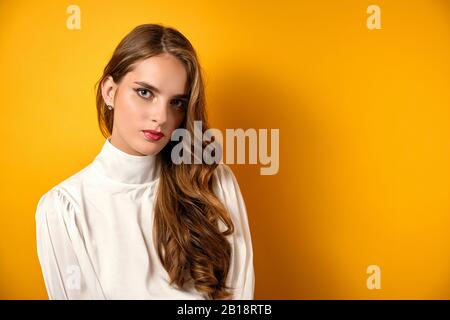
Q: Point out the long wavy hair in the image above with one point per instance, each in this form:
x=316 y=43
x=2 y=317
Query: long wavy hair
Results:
x=190 y=244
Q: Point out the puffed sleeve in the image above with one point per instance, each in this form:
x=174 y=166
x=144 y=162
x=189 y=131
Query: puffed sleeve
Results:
x=66 y=268
x=241 y=275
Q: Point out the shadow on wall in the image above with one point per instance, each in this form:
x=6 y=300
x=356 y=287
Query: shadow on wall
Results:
x=283 y=208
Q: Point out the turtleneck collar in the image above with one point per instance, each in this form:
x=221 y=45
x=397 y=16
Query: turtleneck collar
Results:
x=124 y=167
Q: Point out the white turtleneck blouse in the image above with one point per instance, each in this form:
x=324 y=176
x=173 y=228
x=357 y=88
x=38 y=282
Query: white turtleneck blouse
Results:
x=94 y=233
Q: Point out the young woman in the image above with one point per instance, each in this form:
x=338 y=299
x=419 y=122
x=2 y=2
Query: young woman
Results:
x=133 y=224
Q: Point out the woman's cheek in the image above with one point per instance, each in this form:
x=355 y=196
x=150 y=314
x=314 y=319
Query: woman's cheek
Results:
x=134 y=109
x=135 y=103
x=128 y=116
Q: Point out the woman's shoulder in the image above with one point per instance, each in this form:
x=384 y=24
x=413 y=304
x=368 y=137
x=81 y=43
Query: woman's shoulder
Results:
x=55 y=204
x=228 y=191
x=224 y=172
x=224 y=178
x=65 y=196
x=226 y=185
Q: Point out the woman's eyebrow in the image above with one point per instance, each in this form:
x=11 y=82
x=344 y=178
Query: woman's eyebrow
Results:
x=149 y=86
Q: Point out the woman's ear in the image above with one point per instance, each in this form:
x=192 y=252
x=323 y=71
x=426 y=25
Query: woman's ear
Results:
x=108 y=90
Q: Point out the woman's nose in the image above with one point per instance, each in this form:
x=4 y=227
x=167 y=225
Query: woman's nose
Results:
x=159 y=111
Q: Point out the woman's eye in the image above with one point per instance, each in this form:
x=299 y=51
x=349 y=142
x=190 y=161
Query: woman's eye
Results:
x=143 y=92
x=178 y=103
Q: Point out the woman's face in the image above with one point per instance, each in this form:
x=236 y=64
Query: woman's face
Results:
x=152 y=96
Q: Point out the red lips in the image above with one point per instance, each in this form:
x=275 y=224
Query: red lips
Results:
x=153 y=135
x=153 y=132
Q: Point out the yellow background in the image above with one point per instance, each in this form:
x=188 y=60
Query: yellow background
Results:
x=364 y=119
